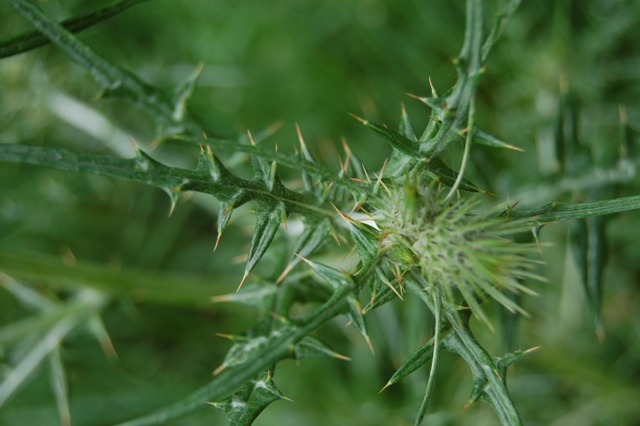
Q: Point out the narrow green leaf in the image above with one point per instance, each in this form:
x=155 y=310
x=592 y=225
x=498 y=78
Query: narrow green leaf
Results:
x=555 y=212
x=89 y=302
x=58 y=383
x=95 y=325
x=587 y=242
x=40 y=323
x=28 y=297
x=162 y=288
x=34 y=39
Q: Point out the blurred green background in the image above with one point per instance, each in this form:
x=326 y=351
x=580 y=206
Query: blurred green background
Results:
x=313 y=63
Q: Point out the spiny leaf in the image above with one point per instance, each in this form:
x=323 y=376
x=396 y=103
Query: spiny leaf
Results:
x=396 y=140
x=469 y=69
x=268 y=220
x=332 y=276
x=230 y=379
x=313 y=238
x=352 y=168
x=405 y=128
x=226 y=209
x=247 y=344
x=266 y=173
x=483 y=137
x=245 y=405
x=182 y=93
x=145 y=169
x=447 y=176
x=354 y=313
x=435 y=165
x=337 y=279
x=34 y=39
x=114 y=80
x=366 y=238
x=313 y=182
x=310 y=347
x=417 y=359
x=259 y=295
x=382 y=290
x=506 y=360
x=398 y=162
x=438 y=105
x=487 y=381
x=296 y=163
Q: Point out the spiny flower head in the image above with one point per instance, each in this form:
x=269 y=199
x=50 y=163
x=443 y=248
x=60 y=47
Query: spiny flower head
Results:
x=464 y=255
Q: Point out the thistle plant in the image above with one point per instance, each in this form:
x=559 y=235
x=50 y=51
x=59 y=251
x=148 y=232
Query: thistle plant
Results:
x=419 y=227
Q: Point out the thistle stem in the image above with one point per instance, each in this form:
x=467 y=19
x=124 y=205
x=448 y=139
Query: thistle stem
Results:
x=434 y=359
x=467 y=150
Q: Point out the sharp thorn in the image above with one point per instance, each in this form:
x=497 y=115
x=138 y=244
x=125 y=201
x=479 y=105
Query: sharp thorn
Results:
x=385 y=386
x=253 y=142
x=300 y=138
x=369 y=344
x=360 y=119
x=246 y=274
x=217 y=241
x=284 y=274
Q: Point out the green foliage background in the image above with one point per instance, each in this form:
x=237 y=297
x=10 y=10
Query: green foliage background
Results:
x=312 y=63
